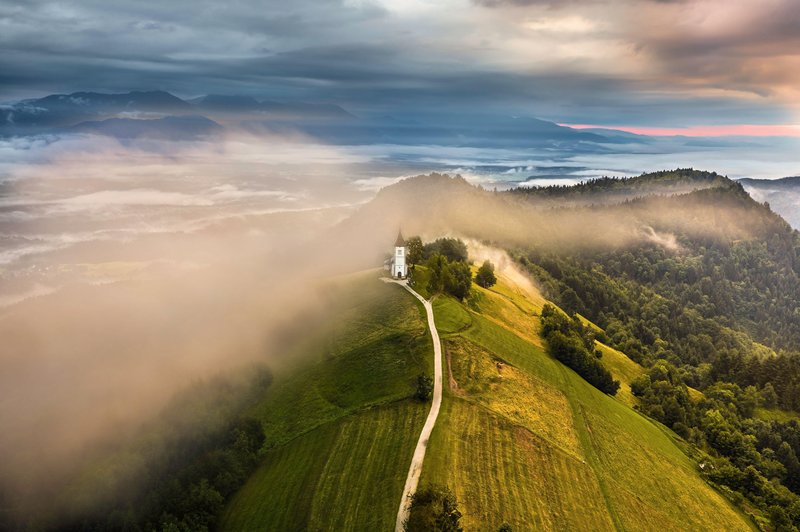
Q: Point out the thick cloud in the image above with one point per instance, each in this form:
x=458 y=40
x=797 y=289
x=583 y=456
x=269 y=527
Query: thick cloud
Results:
x=643 y=62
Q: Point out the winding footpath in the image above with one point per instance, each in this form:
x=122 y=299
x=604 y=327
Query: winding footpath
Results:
x=422 y=444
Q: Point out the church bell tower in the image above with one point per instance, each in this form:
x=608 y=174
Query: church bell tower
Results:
x=399 y=268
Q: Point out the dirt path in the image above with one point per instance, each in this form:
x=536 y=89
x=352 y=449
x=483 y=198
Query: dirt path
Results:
x=422 y=444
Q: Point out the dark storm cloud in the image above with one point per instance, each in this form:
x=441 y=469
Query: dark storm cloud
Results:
x=390 y=56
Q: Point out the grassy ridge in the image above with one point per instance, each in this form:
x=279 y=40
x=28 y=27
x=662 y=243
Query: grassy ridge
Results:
x=341 y=427
x=370 y=354
x=525 y=440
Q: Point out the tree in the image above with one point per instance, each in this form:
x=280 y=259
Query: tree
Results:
x=780 y=521
x=455 y=278
x=437 y=264
x=424 y=387
x=640 y=385
x=505 y=527
x=433 y=509
x=768 y=396
x=485 y=277
x=415 y=251
x=454 y=249
x=459 y=281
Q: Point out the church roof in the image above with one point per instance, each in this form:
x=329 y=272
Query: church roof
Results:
x=400 y=242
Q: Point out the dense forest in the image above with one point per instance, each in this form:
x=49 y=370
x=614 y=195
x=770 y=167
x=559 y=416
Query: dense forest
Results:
x=717 y=314
x=604 y=188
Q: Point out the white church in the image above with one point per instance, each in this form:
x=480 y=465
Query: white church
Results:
x=397 y=264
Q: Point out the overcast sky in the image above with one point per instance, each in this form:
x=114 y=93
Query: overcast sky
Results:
x=637 y=63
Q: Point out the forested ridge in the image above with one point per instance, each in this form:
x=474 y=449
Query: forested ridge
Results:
x=707 y=310
x=656 y=182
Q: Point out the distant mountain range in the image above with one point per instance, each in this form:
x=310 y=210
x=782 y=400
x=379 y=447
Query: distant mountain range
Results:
x=161 y=114
x=786 y=182
x=227 y=104
x=187 y=127
x=151 y=113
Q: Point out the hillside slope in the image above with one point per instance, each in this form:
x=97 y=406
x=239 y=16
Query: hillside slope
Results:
x=524 y=440
x=342 y=427
x=520 y=439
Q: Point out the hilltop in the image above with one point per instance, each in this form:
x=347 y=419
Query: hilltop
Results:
x=706 y=205
x=606 y=190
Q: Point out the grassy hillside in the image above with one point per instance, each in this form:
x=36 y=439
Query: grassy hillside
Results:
x=520 y=438
x=344 y=475
x=524 y=440
x=341 y=428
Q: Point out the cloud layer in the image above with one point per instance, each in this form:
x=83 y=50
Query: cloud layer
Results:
x=631 y=62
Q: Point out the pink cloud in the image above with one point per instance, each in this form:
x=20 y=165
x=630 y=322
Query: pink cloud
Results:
x=740 y=130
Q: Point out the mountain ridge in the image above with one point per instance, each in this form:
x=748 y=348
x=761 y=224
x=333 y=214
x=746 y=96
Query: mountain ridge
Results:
x=328 y=122
x=185 y=127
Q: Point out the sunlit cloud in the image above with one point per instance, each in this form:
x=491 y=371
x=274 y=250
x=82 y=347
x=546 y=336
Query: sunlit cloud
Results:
x=734 y=130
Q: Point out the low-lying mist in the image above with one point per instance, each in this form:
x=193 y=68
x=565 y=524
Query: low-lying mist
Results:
x=440 y=204
x=130 y=271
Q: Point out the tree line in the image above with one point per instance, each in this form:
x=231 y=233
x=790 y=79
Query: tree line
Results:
x=573 y=344
x=753 y=459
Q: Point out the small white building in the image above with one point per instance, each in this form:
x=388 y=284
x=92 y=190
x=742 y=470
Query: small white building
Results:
x=397 y=264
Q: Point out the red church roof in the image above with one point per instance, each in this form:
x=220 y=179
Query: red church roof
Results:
x=400 y=242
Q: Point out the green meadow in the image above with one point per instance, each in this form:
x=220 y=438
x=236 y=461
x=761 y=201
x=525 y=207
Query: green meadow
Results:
x=341 y=426
x=524 y=440
x=520 y=439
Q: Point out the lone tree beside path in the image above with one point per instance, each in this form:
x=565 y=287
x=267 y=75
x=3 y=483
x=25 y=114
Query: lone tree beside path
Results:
x=424 y=387
x=433 y=509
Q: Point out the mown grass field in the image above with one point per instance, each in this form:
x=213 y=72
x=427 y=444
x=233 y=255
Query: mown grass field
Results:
x=341 y=426
x=524 y=440
x=624 y=370
x=344 y=475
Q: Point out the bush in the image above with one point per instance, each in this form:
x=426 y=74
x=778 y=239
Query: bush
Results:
x=424 y=387
x=433 y=509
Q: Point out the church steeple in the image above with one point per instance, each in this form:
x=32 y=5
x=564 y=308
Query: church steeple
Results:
x=399 y=267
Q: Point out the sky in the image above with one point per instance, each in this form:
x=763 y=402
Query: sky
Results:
x=644 y=65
